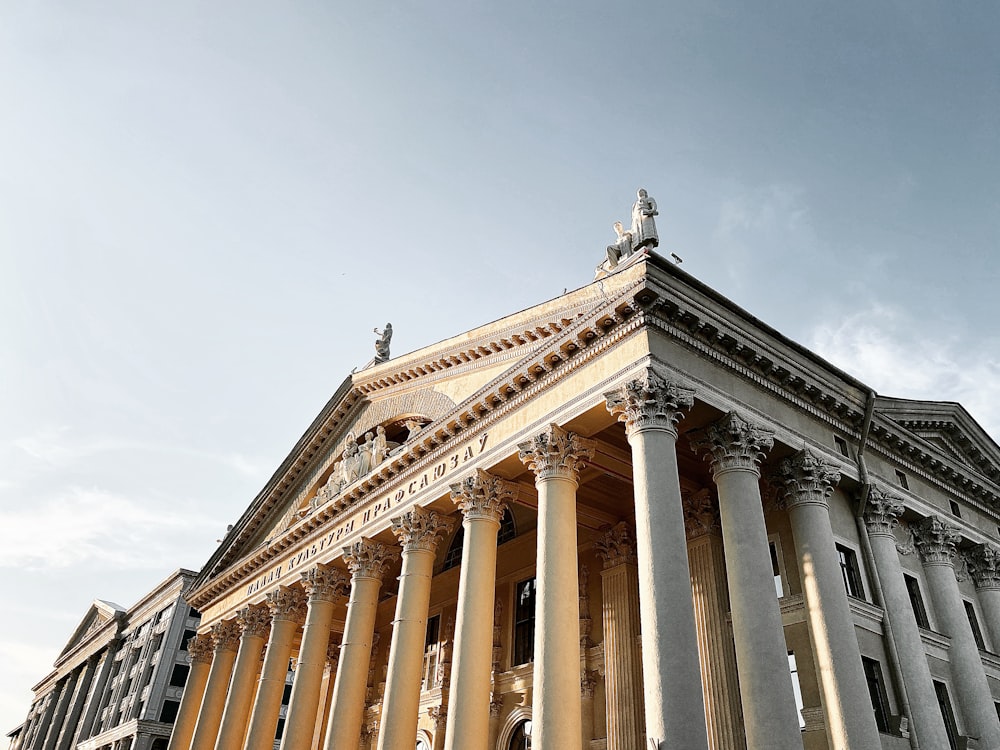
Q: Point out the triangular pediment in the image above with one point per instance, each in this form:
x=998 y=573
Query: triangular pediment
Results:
x=98 y=616
x=949 y=428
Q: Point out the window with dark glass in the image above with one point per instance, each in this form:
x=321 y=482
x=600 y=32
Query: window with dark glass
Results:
x=850 y=571
x=901 y=479
x=977 y=633
x=944 y=703
x=179 y=675
x=432 y=651
x=524 y=622
x=453 y=557
x=521 y=739
x=507 y=529
x=916 y=601
x=169 y=711
x=286 y=695
x=188 y=635
x=280 y=730
x=841 y=445
x=955 y=510
x=876 y=690
x=779 y=588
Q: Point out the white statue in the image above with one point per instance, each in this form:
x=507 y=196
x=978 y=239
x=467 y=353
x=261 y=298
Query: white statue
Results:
x=380 y=447
x=643 y=226
x=622 y=247
x=382 y=345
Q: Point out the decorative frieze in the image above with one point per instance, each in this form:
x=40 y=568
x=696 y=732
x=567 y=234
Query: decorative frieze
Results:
x=806 y=479
x=368 y=559
x=701 y=514
x=556 y=453
x=983 y=564
x=733 y=444
x=325 y=583
x=616 y=545
x=199 y=649
x=649 y=401
x=936 y=541
x=421 y=530
x=254 y=620
x=225 y=636
x=287 y=604
x=882 y=512
x=483 y=496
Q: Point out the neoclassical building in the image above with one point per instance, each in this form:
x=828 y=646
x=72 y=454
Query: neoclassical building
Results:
x=117 y=684
x=631 y=517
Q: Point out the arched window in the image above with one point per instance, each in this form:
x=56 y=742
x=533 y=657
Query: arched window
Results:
x=453 y=558
x=422 y=744
x=521 y=739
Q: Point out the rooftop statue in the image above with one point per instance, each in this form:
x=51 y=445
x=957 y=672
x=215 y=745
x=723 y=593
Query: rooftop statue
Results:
x=382 y=345
x=642 y=234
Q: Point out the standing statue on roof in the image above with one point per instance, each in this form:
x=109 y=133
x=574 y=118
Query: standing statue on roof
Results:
x=382 y=345
x=643 y=226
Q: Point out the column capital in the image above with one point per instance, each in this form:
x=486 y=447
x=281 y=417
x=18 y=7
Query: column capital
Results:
x=882 y=512
x=225 y=636
x=254 y=620
x=421 y=530
x=733 y=444
x=556 y=453
x=438 y=715
x=701 y=514
x=983 y=562
x=649 y=402
x=287 y=604
x=616 y=545
x=368 y=559
x=333 y=651
x=199 y=649
x=936 y=541
x=483 y=496
x=325 y=583
x=806 y=479
x=588 y=681
x=496 y=705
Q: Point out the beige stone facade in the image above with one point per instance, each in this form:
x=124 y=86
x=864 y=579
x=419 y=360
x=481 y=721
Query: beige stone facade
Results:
x=632 y=517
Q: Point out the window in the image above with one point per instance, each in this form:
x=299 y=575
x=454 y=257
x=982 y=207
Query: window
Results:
x=955 y=510
x=432 y=651
x=280 y=730
x=507 y=529
x=521 y=739
x=876 y=690
x=453 y=558
x=977 y=633
x=944 y=702
x=179 y=676
x=422 y=744
x=188 y=635
x=779 y=587
x=796 y=688
x=524 y=622
x=850 y=572
x=192 y=612
x=286 y=695
x=901 y=479
x=169 y=711
x=841 y=445
x=916 y=601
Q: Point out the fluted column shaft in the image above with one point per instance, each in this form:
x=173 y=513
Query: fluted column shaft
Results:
x=46 y=720
x=881 y=517
x=91 y=715
x=254 y=623
x=850 y=722
x=623 y=673
x=736 y=448
x=287 y=607
x=482 y=499
x=199 y=651
x=367 y=562
x=59 y=717
x=936 y=542
x=419 y=531
x=73 y=716
x=984 y=566
x=556 y=458
x=324 y=586
x=225 y=637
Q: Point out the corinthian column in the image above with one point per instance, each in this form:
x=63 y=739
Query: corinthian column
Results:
x=254 y=623
x=808 y=484
x=65 y=695
x=937 y=541
x=622 y=655
x=225 y=637
x=368 y=562
x=287 y=607
x=735 y=448
x=199 y=657
x=651 y=407
x=324 y=586
x=983 y=562
x=420 y=532
x=556 y=458
x=482 y=499
x=881 y=516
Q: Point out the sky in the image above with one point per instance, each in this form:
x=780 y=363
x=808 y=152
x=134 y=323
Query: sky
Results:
x=205 y=209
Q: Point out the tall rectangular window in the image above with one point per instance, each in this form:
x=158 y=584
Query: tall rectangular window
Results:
x=779 y=587
x=524 y=622
x=432 y=649
x=977 y=633
x=876 y=690
x=944 y=703
x=916 y=601
x=850 y=571
x=179 y=675
x=796 y=688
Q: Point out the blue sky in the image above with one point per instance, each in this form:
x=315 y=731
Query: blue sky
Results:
x=206 y=208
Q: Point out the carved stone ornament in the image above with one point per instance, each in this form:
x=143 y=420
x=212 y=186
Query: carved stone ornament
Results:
x=226 y=636
x=287 y=604
x=882 y=512
x=325 y=583
x=483 y=496
x=649 y=402
x=733 y=444
x=421 y=530
x=588 y=682
x=496 y=705
x=333 y=651
x=936 y=541
x=806 y=479
x=382 y=344
x=199 y=649
x=701 y=514
x=616 y=545
x=368 y=559
x=254 y=620
x=983 y=564
x=438 y=715
x=556 y=453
